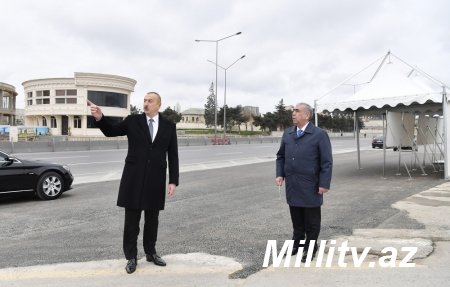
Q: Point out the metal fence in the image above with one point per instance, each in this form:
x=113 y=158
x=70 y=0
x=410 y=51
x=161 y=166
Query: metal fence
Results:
x=54 y=145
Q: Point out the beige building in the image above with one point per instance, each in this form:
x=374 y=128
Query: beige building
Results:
x=61 y=103
x=7 y=104
x=193 y=118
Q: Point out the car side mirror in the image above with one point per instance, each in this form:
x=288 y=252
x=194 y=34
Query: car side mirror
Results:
x=9 y=159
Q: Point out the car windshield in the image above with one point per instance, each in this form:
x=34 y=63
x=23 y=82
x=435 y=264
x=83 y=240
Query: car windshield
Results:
x=3 y=156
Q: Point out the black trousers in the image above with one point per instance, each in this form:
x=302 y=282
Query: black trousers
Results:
x=306 y=223
x=131 y=231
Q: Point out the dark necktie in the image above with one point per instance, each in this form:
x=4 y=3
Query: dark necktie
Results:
x=150 y=127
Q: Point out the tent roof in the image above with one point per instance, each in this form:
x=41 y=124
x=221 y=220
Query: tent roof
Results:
x=387 y=83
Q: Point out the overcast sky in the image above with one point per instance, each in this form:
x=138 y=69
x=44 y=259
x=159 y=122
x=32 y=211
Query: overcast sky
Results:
x=295 y=49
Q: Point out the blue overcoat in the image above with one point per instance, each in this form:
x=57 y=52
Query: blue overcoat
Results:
x=305 y=163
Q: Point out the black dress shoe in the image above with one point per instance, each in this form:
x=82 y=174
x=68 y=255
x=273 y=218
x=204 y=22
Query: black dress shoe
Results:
x=131 y=266
x=294 y=251
x=305 y=254
x=155 y=259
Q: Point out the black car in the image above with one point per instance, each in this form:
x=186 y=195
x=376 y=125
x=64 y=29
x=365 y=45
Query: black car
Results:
x=46 y=180
x=377 y=142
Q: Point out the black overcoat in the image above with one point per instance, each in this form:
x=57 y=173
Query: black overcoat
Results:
x=143 y=182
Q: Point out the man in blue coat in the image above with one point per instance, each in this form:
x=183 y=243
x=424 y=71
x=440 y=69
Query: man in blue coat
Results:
x=305 y=162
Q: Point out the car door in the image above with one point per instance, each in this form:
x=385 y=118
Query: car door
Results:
x=15 y=176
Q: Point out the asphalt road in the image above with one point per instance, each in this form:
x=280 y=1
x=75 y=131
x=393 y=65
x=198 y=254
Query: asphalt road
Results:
x=89 y=166
x=225 y=211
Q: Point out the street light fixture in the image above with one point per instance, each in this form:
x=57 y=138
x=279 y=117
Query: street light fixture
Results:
x=225 y=93
x=217 y=61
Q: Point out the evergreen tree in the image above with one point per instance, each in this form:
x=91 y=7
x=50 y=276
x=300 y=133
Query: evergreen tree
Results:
x=171 y=115
x=234 y=117
x=134 y=110
x=209 y=107
x=267 y=121
x=282 y=116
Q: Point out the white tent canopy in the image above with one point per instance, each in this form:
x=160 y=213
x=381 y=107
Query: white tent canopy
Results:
x=390 y=85
x=388 y=82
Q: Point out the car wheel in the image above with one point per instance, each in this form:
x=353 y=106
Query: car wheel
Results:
x=395 y=148
x=50 y=186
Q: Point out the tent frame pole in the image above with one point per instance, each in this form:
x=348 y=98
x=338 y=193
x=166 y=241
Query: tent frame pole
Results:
x=358 y=148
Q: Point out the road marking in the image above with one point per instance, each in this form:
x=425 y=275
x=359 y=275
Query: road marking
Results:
x=95 y=162
x=60 y=157
x=228 y=153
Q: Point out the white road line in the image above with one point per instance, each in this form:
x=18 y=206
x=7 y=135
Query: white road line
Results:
x=227 y=153
x=95 y=162
x=51 y=158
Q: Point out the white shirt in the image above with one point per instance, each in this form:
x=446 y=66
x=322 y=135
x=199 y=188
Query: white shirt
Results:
x=155 y=124
x=303 y=129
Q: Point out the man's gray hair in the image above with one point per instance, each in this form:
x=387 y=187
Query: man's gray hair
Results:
x=308 y=109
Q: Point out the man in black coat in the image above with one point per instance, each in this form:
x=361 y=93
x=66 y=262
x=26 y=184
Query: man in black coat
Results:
x=151 y=140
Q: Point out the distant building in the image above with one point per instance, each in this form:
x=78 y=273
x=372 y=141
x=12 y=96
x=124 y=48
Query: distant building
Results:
x=192 y=118
x=60 y=103
x=249 y=110
x=7 y=104
x=177 y=107
x=20 y=119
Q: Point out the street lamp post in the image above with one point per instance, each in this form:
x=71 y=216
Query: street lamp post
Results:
x=225 y=93
x=217 y=61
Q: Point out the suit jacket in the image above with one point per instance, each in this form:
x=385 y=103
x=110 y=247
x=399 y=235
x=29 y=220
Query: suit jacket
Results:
x=306 y=163
x=143 y=182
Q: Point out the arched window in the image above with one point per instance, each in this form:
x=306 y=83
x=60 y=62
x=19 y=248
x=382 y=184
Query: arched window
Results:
x=44 y=121
x=53 y=122
x=77 y=122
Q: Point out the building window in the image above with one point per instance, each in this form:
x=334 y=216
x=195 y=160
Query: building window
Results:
x=42 y=101
x=59 y=93
x=30 y=94
x=53 y=122
x=45 y=95
x=66 y=96
x=6 y=103
x=44 y=121
x=77 y=122
x=108 y=99
x=30 y=102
